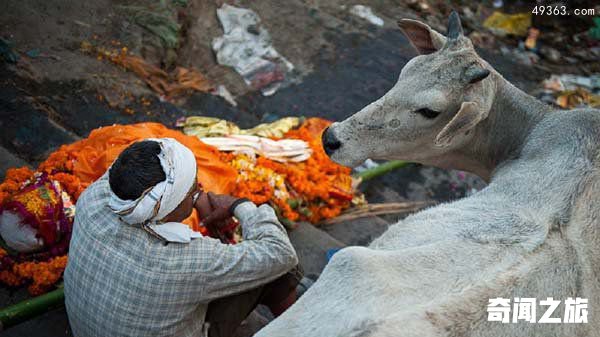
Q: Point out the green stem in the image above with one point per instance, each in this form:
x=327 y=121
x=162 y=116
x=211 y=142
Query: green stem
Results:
x=381 y=169
x=30 y=308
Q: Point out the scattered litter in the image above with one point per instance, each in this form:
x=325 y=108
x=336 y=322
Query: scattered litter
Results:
x=227 y=96
x=33 y=53
x=6 y=51
x=367 y=164
x=579 y=97
x=366 y=13
x=419 y=5
x=158 y=20
x=522 y=56
x=531 y=40
x=246 y=46
x=550 y=54
x=468 y=14
x=482 y=39
x=167 y=85
x=331 y=252
x=572 y=82
x=83 y=24
x=506 y=24
x=572 y=91
x=594 y=32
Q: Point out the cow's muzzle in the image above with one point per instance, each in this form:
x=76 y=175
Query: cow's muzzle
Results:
x=330 y=142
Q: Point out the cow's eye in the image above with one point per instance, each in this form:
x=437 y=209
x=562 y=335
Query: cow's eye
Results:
x=427 y=113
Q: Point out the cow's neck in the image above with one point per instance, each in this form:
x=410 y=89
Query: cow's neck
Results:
x=501 y=136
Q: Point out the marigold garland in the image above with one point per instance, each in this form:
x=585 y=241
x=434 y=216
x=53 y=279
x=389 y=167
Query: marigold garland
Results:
x=15 y=178
x=43 y=275
x=312 y=190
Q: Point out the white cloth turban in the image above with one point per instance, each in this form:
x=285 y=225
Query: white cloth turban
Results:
x=179 y=165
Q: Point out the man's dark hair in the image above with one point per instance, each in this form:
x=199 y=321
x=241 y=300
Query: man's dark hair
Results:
x=136 y=169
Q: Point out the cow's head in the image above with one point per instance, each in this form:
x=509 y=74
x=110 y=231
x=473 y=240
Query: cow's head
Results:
x=441 y=95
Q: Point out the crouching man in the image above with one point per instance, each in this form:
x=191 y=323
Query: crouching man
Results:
x=135 y=270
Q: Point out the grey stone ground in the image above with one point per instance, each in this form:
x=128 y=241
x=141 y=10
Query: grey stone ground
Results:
x=9 y=160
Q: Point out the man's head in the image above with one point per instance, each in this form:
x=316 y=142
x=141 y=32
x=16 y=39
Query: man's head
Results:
x=440 y=96
x=138 y=169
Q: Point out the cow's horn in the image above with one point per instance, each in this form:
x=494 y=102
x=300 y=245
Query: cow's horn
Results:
x=454 y=26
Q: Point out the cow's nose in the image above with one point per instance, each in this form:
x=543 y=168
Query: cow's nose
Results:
x=330 y=142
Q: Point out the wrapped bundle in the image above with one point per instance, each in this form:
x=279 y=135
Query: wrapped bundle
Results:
x=37 y=217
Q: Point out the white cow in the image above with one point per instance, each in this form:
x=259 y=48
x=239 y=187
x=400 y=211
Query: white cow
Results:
x=534 y=232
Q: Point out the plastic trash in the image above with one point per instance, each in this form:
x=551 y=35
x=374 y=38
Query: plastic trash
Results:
x=507 y=24
x=572 y=82
x=367 y=14
x=367 y=164
x=246 y=46
x=579 y=97
x=331 y=252
x=6 y=51
x=227 y=96
x=33 y=53
x=574 y=91
x=531 y=42
x=594 y=32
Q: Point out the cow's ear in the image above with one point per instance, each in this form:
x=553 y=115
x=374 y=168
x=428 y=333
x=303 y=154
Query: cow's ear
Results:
x=421 y=36
x=465 y=119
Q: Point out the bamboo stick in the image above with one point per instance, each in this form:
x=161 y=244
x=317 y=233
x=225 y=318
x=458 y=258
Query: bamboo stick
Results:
x=30 y=308
x=378 y=209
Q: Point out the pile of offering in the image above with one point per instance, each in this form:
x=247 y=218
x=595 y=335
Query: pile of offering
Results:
x=281 y=163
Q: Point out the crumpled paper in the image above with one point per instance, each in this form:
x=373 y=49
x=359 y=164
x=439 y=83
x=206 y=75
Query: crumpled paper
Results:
x=366 y=13
x=246 y=46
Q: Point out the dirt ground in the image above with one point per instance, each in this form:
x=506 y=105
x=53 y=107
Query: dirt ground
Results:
x=342 y=63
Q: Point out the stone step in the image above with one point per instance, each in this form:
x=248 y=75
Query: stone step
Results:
x=28 y=133
x=357 y=232
x=311 y=245
x=9 y=160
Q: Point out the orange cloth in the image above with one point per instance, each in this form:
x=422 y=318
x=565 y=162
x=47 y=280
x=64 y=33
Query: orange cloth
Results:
x=96 y=153
x=93 y=155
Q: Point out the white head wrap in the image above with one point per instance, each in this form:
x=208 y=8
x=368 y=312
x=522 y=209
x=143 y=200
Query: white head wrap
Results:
x=179 y=165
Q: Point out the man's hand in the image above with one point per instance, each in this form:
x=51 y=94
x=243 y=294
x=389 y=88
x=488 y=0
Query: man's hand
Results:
x=214 y=209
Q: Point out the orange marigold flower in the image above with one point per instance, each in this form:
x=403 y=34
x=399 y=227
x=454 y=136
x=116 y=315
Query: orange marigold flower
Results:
x=323 y=186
